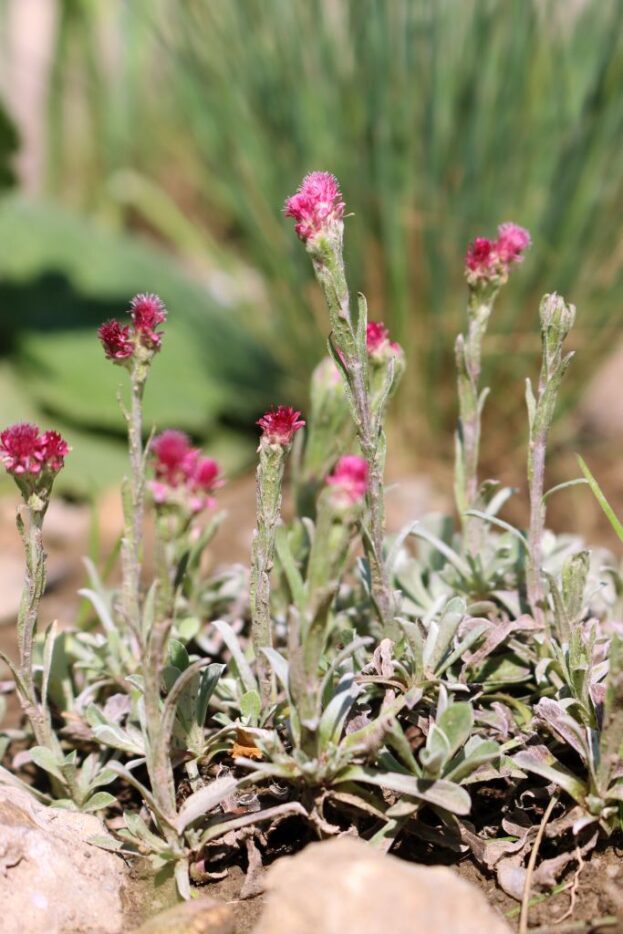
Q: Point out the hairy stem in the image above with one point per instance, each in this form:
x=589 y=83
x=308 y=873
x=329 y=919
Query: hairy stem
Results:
x=269 y=479
x=536 y=478
x=31 y=532
x=353 y=355
x=556 y=321
x=468 y=351
x=133 y=507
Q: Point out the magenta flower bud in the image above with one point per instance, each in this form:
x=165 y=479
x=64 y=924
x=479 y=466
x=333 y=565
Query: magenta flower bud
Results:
x=280 y=425
x=377 y=340
x=169 y=452
x=350 y=477
x=489 y=261
x=377 y=336
x=206 y=474
x=116 y=340
x=202 y=482
x=54 y=451
x=511 y=243
x=148 y=312
x=480 y=257
x=317 y=206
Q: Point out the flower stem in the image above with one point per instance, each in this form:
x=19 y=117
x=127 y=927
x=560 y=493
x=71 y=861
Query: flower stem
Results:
x=269 y=479
x=133 y=505
x=349 y=346
x=35 y=709
x=557 y=319
x=468 y=352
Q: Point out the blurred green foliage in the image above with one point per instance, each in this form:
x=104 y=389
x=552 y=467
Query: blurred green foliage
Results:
x=9 y=142
x=62 y=277
x=441 y=118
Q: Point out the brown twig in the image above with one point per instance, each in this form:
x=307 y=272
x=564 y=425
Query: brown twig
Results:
x=525 y=901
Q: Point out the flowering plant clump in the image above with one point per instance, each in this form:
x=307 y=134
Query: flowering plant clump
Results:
x=357 y=681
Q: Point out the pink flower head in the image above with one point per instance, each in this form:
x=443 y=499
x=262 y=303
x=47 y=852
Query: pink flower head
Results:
x=54 y=449
x=280 y=425
x=206 y=473
x=350 y=477
x=317 y=206
x=480 y=256
x=491 y=259
x=378 y=342
x=512 y=242
x=26 y=453
x=116 y=340
x=170 y=451
x=183 y=476
x=377 y=336
x=20 y=449
x=148 y=312
x=202 y=482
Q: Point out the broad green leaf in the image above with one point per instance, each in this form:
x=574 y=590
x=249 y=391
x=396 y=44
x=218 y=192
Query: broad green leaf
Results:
x=441 y=793
x=553 y=771
x=250 y=705
x=46 y=760
x=99 y=801
x=205 y=800
x=456 y=723
x=231 y=641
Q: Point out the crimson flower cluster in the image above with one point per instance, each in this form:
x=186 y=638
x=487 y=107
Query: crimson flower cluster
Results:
x=378 y=341
x=122 y=341
x=486 y=258
x=182 y=475
x=317 y=206
x=350 y=477
x=31 y=456
x=280 y=425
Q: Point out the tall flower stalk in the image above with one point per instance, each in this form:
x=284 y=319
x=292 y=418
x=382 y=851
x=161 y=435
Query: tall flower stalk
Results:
x=278 y=430
x=487 y=265
x=319 y=211
x=557 y=318
x=33 y=460
x=133 y=346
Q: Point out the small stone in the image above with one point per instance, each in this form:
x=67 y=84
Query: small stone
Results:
x=346 y=885
x=199 y=916
x=51 y=878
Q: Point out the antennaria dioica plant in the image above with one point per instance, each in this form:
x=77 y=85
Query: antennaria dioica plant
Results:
x=351 y=680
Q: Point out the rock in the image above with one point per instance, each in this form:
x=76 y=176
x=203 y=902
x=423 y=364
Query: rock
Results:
x=52 y=880
x=345 y=885
x=200 y=916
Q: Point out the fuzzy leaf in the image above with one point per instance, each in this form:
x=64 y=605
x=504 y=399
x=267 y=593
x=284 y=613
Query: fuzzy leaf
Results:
x=231 y=641
x=457 y=722
x=441 y=793
x=46 y=760
x=99 y=801
x=204 y=801
x=555 y=772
